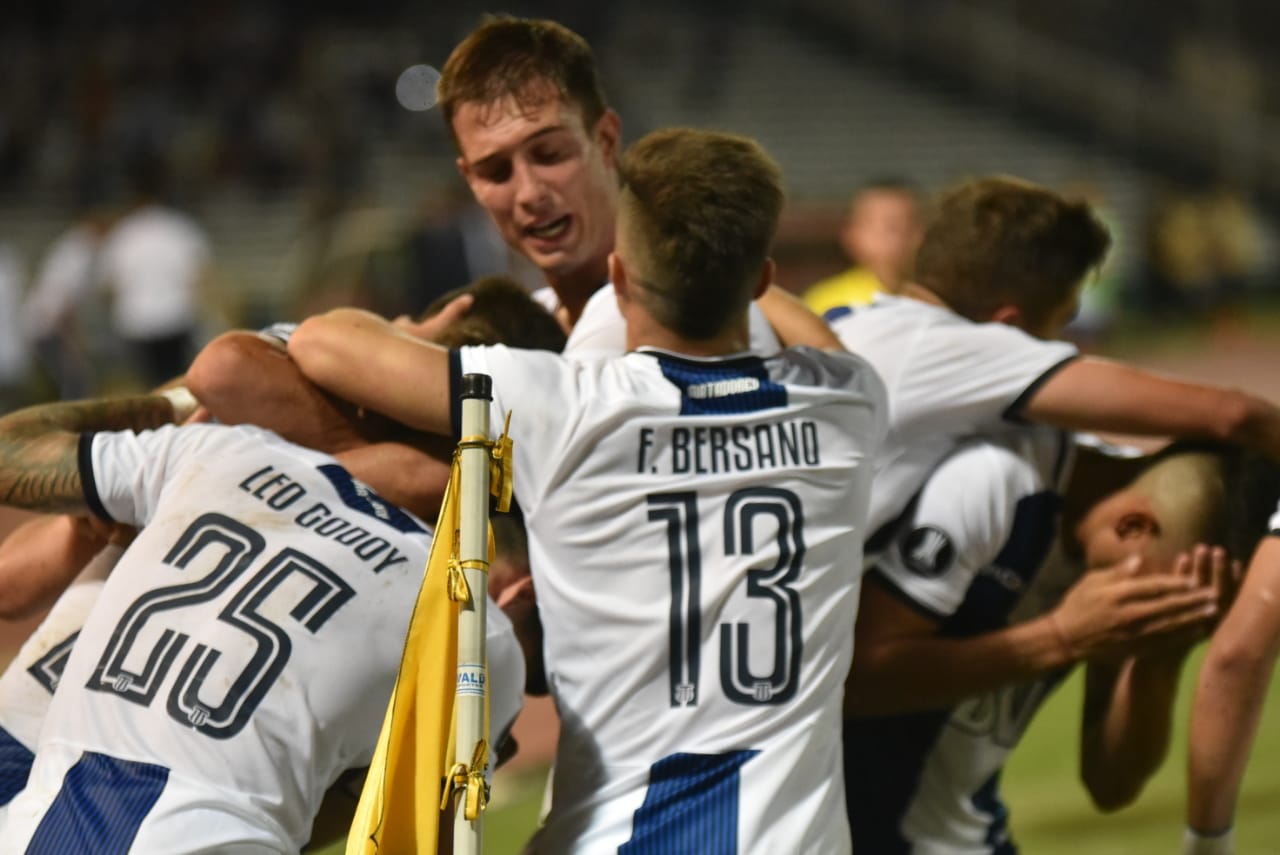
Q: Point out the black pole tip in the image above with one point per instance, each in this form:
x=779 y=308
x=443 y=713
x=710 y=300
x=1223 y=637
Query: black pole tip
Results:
x=477 y=386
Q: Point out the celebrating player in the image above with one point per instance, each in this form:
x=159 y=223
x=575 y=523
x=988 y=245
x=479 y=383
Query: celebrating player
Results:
x=684 y=486
x=980 y=606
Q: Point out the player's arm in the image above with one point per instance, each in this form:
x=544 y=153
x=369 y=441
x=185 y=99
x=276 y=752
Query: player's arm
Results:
x=40 y=558
x=1230 y=694
x=39 y=466
x=794 y=322
x=1100 y=395
x=1128 y=704
x=903 y=663
x=372 y=363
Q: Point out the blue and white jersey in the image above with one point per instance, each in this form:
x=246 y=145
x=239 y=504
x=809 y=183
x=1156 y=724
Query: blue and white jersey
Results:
x=601 y=332
x=695 y=536
x=240 y=656
x=27 y=685
x=947 y=378
x=980 y=550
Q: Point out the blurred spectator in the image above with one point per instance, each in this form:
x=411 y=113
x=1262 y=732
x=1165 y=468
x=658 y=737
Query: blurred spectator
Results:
x=1203 y=252
x=880 y=236
x=155 y=262
x=15 y=359
x=65 y=281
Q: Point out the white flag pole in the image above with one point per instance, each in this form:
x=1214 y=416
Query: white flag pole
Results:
x=473 y=554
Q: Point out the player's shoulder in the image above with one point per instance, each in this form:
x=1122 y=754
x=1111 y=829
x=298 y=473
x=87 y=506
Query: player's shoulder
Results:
x=1028 y=458
x=831 y=370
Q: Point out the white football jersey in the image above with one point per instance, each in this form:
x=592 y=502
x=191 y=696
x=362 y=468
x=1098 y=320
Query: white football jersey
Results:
x=947 y=378
x=980 y=550
x=1274 y=526
x=695 y=535
x=27 y=685
x=601 y=332
x=241 y=654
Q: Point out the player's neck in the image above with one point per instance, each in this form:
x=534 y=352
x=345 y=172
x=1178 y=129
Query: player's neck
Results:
x=916 y=291
x=575 y=289
x=644 y=331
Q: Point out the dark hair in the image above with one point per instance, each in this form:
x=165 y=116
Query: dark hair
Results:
x=1253 y=488
x=700 y=210
x=517 y=57
x=503 y=313
x=1001 y=241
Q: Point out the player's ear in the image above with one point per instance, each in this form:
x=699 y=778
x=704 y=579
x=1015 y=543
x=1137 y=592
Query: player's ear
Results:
x=1136 y=524
x=767 y=275
x=1008 y=314
x=608 y=135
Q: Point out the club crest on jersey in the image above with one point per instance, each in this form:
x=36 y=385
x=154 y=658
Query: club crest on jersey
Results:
x=927 y=551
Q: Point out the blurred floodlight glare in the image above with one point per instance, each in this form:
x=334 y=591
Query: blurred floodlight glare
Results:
x=416 y=87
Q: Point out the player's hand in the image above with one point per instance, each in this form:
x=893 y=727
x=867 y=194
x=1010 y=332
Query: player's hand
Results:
x=430 y=328
x=1109 y=611
x=1209 y=569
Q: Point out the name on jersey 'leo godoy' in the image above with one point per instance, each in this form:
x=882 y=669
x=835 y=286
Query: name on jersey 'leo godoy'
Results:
x=280 y=492
x=711 y=449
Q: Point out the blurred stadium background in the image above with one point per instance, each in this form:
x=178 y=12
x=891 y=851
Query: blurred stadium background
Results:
x=277 y=127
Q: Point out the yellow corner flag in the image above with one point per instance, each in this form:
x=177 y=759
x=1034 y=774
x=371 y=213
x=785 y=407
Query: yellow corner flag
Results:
x=400 y=806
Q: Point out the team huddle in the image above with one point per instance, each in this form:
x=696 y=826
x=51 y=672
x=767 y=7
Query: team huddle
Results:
x=795 y=584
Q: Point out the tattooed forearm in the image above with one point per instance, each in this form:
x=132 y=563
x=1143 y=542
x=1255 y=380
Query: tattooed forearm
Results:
x=41 y=474
x=38 y=466
x=139 y=412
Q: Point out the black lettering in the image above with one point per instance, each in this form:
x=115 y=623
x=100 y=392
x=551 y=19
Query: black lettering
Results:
x=286 y=496
x=646 y=440
x=394 y=558
x=765 y=455
x=312 y=515
x=679 y=450
x=719 y=453
x=699 y=440
x=262 y=488
x=244 y=485
x=809 y=437
x=332 y=526
x=788 y=444
x=349 y=537
x=742 y=451
x=371 y=548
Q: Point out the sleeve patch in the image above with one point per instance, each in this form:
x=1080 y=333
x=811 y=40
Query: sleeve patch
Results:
x=927 y=551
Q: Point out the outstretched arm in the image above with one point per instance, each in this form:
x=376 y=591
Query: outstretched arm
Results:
x=795 y=323
x=1100 y=395
x=1230 y=694
x=39 y=470
x=371 y=362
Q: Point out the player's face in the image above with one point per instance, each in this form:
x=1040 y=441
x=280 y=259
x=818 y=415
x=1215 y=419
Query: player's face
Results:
x=883 y=233
x=549 y=183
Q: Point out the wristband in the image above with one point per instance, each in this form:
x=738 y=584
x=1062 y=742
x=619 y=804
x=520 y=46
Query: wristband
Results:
x=1197 y=843
x=183 y=402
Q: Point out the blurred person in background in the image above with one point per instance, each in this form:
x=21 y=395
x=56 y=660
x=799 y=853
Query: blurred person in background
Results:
x=52 y=314
x=155 y=263
x=15 y=357
x=880 y=235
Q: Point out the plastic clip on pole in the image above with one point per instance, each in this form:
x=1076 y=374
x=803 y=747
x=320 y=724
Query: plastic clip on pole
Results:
x=473 y=554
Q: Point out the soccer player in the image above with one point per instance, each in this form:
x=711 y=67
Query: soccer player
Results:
x=492 y=317
x=964 y=348
x=538 y=145
x=1229 y=698
x=214 y=693
x=695 y=521
x=981 y=605
x=881 y=232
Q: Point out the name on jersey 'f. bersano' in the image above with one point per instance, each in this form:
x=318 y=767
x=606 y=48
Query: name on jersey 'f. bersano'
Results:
x=710 y=449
